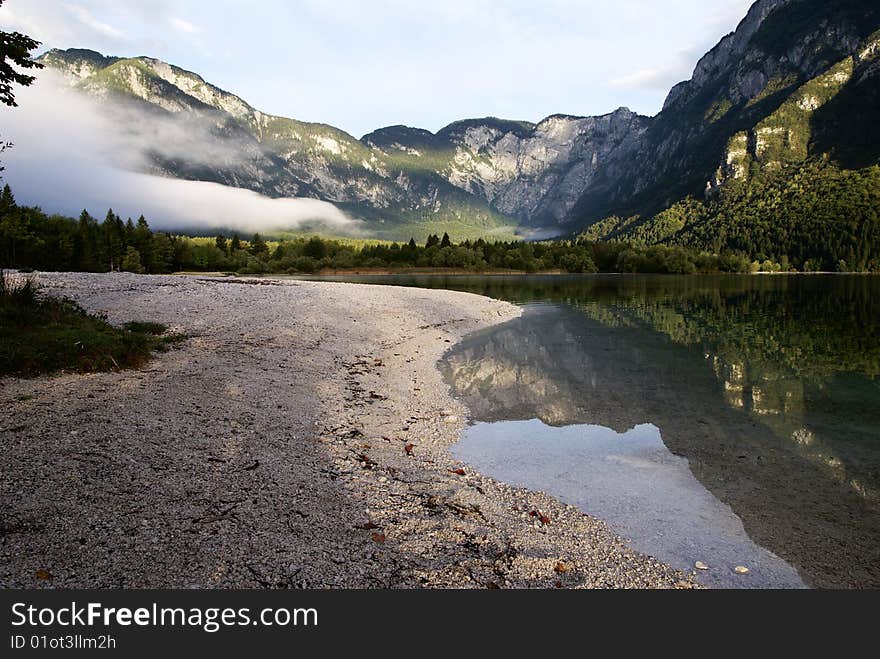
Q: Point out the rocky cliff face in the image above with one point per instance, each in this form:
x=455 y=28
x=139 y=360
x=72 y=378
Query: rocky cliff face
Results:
x=533 y=173
x=797 y=78
x=538 y=175
x=483 y=172
x=757 y=100
x=724 y=58
x=275 y=156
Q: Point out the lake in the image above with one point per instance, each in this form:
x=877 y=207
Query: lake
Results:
x=730 y=420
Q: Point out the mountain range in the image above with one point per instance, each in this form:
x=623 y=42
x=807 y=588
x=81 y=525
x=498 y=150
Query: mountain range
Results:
x=798 y=80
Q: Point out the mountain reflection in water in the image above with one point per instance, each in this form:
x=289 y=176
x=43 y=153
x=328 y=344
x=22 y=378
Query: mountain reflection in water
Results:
x=769 y=387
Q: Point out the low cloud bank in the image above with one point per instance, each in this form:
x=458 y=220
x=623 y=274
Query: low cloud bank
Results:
x=69 y=154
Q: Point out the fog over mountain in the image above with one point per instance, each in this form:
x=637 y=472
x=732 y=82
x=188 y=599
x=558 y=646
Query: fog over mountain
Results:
x=73 y=152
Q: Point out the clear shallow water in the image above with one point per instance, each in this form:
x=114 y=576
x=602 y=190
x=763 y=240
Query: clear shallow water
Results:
x=766 y=388
x=631 y=479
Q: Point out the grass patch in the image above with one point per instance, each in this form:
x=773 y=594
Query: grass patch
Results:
x=145 y=328
x=43 y=334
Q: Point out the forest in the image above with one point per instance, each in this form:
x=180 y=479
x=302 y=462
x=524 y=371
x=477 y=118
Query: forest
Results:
x=812 y=216
x=32 y=240
x=809 y=217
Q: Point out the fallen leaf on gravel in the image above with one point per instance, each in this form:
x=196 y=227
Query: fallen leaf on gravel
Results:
x=459 y=471
x=493 y=586
x=409 y=449
x=541 y=516
x=43 y=575
x=378 y=537
x=741 y=569
x=558 y=584
x=560 y=568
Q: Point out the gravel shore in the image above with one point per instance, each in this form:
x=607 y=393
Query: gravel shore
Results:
x=298 y=438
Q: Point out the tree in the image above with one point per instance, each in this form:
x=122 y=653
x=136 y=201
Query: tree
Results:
x=86 y=244
x=258 y=245
x=15 y=51
x=433 y=241
x=412 y=244
x=445 y=242
x=235 y=243
x=143 y=242
x=577 y=262
x=132 y=261
x=315 y=248
x=220 y=241
x=7 y=200
x=163 y=253
x=12 y=230
x=114 y=240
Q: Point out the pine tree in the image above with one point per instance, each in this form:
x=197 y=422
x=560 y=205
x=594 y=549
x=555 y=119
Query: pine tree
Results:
x=129 y=232
x=86 y=244
x=7 y=201
x=445 y=242
x=220 y=241
x=163 y=253
x=433 y=241
x=114 y=244
x=143 y=242
x=412 y=244
x=236 y=243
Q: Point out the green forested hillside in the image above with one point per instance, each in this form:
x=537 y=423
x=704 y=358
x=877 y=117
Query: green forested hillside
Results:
x=809 y=216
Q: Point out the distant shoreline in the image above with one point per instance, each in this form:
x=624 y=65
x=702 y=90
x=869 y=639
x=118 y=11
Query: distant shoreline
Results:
x=446 y=272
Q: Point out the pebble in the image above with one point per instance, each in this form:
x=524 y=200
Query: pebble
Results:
x=700 y=565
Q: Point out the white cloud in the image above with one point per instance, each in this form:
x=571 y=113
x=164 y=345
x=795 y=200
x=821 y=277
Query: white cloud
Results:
x=66 y=157
x=87 y=19
x=182 y=26
x=654 y=78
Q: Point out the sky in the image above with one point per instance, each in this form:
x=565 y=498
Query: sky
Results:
x=364 y=64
